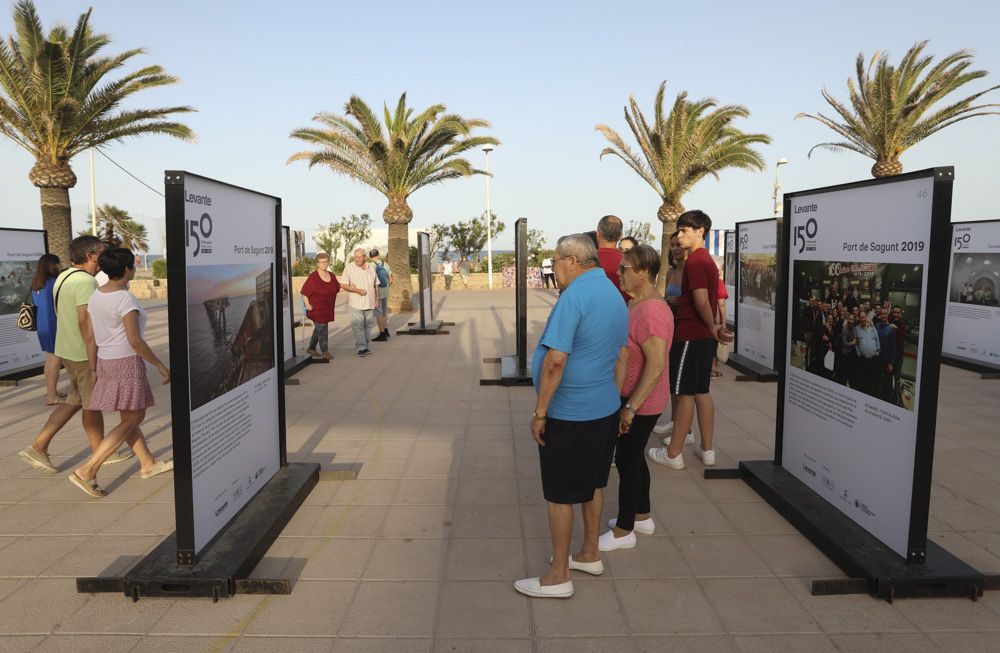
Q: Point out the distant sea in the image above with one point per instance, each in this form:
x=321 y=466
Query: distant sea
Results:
x=211 y=357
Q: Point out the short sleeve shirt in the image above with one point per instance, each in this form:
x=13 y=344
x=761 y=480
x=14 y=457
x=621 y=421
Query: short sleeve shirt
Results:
x=610 y=259
x=589 y=323
x=74 y=287
x=645 y=320
x=700 y=272
x=107 y=315
x=360 y=278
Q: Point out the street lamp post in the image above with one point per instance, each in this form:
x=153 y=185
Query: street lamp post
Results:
x=489 y=221
x=777 y=188
x=93 y=197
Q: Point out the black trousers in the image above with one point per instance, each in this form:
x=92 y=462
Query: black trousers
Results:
x=633 y=471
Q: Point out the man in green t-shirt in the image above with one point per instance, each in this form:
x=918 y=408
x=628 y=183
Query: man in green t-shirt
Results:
x=71 y=292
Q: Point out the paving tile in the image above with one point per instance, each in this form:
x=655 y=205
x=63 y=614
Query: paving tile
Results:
x=481 y=610
x=593 y=610
x=949 y=614
x=112 y=613
x=396 y=609
x=432 y=468
x=19 y=643
x=406 y=559
x=885 y=643
x=667 y=607
x=345 y=521
x=482 y=646
x=24 y=518
x=313 y=609
x=103 y=643
x=174 y=643
x=792 y=555
x=966 y=642
x=721 y=555
x=756 y=518
x=364 y=492
x=652 y=557
x=31 y=555
x=757 y=605
x=691 y=518
x=246 y=644
x=485 y=559
x=417 y=521
x=502 y=491
x=785 y=644
x=205 y=618
x=587 y=645
x=143 y=519
x=39 y=606
x=383 y=645
x=850 y=613
x=729 y=490
x=486 y=521
x=425 y=492
x=686 y=644
x=483 y=468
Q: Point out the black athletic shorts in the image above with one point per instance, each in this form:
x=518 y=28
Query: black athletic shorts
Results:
x=691 y=366
x=576 y=458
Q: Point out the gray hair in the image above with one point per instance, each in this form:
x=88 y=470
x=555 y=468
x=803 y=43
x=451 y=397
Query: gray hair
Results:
x=578 y=245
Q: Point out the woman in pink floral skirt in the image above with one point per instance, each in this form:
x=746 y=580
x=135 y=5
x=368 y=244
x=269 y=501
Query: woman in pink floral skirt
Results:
x=116 y=350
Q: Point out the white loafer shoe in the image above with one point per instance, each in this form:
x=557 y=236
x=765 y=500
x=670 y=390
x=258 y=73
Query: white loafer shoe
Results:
x=643 y=526
x=610 y=542
x=659 y=456
x=533 y=587
x=593 y=568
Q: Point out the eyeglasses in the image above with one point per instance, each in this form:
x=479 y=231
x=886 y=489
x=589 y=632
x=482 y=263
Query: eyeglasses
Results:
x=621 y=268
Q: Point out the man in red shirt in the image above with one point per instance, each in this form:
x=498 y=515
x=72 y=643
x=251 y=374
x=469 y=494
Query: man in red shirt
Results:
x=609 y=232
x=699 y=327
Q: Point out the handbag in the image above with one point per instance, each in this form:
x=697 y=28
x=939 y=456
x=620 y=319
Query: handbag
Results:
x=27 y=315
x=722 y=352
x=828 y=360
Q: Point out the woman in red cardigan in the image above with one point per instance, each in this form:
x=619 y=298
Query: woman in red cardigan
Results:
x=320 y=293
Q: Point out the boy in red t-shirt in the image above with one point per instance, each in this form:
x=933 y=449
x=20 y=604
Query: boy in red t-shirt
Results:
x=699 y=327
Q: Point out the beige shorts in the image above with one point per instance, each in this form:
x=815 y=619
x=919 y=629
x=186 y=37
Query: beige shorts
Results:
x=81 y=382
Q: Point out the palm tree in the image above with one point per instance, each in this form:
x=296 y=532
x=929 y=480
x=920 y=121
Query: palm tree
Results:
x=405 y=154
x=887 y=115
x=697 y=139
x=116 y=225
x=56 y=101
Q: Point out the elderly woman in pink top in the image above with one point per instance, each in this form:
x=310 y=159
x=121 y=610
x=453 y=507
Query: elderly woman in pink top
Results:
x=644 y=379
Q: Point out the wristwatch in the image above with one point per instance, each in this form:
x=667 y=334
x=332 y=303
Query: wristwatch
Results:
x=631 y=407
x=535 y=415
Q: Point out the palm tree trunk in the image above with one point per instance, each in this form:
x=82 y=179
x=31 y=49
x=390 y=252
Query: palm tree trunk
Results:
x=667 y=214
x=887 y=168
x=398 y=215
x=57 y=221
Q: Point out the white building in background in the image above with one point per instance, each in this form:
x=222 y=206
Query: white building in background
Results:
x=380 y=238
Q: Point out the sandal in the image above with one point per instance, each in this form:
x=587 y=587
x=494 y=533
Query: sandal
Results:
x=716 y=375
x=89 y=486
x=158 y=468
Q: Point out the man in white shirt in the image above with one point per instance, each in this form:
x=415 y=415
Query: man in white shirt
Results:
x=547 y=273
x=361 y=284
x=448 y=270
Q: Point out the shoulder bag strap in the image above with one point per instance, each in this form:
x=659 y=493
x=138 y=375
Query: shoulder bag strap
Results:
x=55 y=302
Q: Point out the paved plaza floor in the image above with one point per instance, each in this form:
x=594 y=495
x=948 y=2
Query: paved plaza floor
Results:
x=420 y=553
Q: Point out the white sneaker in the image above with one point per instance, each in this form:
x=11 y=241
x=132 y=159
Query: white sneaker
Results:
x=707 y=457
x=688 y=440
x=659 y=455
x=664 y=428
x=643 y=526
x=609 y=542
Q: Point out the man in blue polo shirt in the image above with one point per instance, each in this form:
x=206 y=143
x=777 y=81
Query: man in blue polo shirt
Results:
x=575 y=422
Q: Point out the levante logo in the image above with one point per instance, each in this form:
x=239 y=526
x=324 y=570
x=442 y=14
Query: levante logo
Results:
x=805 y=234
x=200 y=231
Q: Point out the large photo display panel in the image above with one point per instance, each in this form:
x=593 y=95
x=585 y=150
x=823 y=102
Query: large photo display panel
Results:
x=854 y=346
x=20 y=250
x=972 y=319
x=231 y=266
x=756 y=290
x=729 y=276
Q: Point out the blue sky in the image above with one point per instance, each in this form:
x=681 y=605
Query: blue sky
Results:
x=543 y=73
